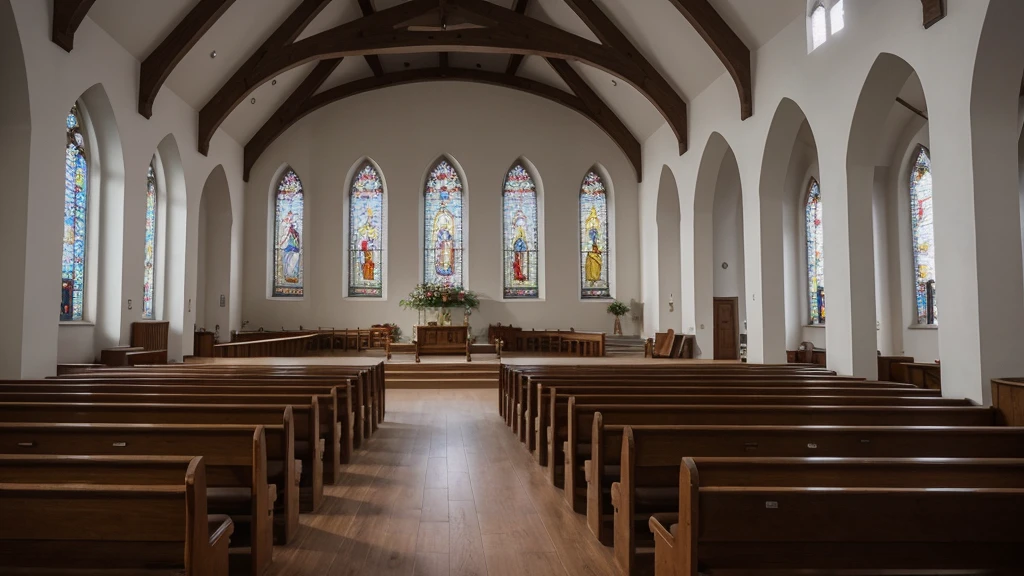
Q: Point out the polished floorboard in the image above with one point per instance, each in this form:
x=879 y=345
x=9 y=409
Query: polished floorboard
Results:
x=443 y=488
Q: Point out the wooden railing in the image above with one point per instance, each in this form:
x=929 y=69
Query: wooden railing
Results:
x=559 y=342
x=327 y=339
x=291 y=346
x=1008 y=400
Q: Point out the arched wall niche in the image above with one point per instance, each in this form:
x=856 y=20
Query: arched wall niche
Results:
x=215 y=255
x=728 y=263
x=780 y=146
x=708 y=172
x=82 y=341
x=669 y=254
x=171 y=254
x=15 y=144
x=801 y=169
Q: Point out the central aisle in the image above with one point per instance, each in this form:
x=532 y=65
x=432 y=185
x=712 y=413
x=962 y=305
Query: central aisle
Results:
x=443 y=488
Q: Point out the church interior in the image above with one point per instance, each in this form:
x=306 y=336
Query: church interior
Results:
x=512 y=287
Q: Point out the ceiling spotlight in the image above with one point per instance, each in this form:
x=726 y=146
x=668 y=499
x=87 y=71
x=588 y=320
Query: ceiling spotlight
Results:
x=273 y=82
x=615 y=83
x=252 y=100
x=213 y=54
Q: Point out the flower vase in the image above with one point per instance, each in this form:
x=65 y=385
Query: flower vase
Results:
x=617 y=331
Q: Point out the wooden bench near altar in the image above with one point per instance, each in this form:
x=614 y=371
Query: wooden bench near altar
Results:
x=442 y=340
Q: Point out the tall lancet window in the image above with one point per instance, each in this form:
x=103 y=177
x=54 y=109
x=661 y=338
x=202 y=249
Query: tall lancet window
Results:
x=288 y=214
x=594 y=245
x=815 y=254
x=76 y=204
x=521 y=245
x=923 y=232
x=149 y=257
x=443 y=248
x=366 y=234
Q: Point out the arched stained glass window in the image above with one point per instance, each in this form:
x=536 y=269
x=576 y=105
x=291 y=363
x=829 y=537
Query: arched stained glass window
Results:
x=366 y=234
x=519 y=231
x=815 y=254
x=76 y=204
x=594 y=243
x=149 y=258
x=443 y=248
x=288 y=213
x=923 y=233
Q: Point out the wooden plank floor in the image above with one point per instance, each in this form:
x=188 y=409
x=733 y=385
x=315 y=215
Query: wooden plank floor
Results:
x=443 y=488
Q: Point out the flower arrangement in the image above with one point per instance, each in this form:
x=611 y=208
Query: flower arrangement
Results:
x=425 y=296
x=618 y=309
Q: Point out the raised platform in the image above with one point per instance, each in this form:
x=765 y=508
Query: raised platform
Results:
x=437 y=373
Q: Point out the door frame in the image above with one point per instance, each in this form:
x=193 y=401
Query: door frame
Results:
x=735 y=300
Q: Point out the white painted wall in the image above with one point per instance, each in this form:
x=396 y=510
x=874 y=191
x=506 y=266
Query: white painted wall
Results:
x=53 y=81
x=404 y=130
x=728 y=242
x=968 y=93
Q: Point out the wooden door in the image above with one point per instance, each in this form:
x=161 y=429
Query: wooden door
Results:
x=727 y=329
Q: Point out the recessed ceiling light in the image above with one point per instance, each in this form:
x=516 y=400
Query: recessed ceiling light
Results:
x=213 y=54
x=252 y=100
x=273 y=82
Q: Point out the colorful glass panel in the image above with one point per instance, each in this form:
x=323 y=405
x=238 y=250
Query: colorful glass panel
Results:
x=443 y=249
x=76 y=204
x=594 y=253
x=288 y=215
x=923 y=237
x=520 y=246
x=815 y=255
x=366 y=234
x=149 y=259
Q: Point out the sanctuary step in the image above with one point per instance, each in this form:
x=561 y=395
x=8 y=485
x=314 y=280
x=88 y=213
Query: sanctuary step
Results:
x=624 y=346
x=444 y=374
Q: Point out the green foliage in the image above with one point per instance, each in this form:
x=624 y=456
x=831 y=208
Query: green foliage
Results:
x=618 y=308
x=440 y=296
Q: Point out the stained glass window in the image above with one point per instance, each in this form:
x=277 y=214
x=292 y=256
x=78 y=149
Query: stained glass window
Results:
x=288 y=214
x=442 y=226
x=594 y=244
x=519 y=224
x=819 y=26
x=923 y=237
x=76 y=200
x=815 y=254
x=149 y=260
x=366 y=234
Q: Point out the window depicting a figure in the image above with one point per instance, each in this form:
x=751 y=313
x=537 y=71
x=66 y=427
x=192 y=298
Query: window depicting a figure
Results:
x=443 y=248
x=366 y=234
x=76 y=205
x=520 y=264
x=923 y=234
x=149 y=256
x=288 y=216
x=815 y=254
x=594 y=244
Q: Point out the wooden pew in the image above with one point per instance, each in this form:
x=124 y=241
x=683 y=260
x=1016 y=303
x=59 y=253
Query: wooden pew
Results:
x=322 y=454
x=279 y=425
x=642 y=479
x=581 y=420
x=133 y=523
x=553 y=413
x=896 y=521
x=239 y=482
x=334 y=402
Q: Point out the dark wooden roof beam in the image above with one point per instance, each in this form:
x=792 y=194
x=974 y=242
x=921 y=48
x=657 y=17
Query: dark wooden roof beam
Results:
x=305 y=101
x=934 y=10
x=372 y=60
x=516 y=60
x=724 y=42
x=159 y=65
x=67 y=17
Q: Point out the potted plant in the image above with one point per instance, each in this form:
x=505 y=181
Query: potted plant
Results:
x=618 y=309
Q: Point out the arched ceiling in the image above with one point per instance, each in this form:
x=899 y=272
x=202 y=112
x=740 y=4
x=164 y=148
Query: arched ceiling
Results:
x=628 y=65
